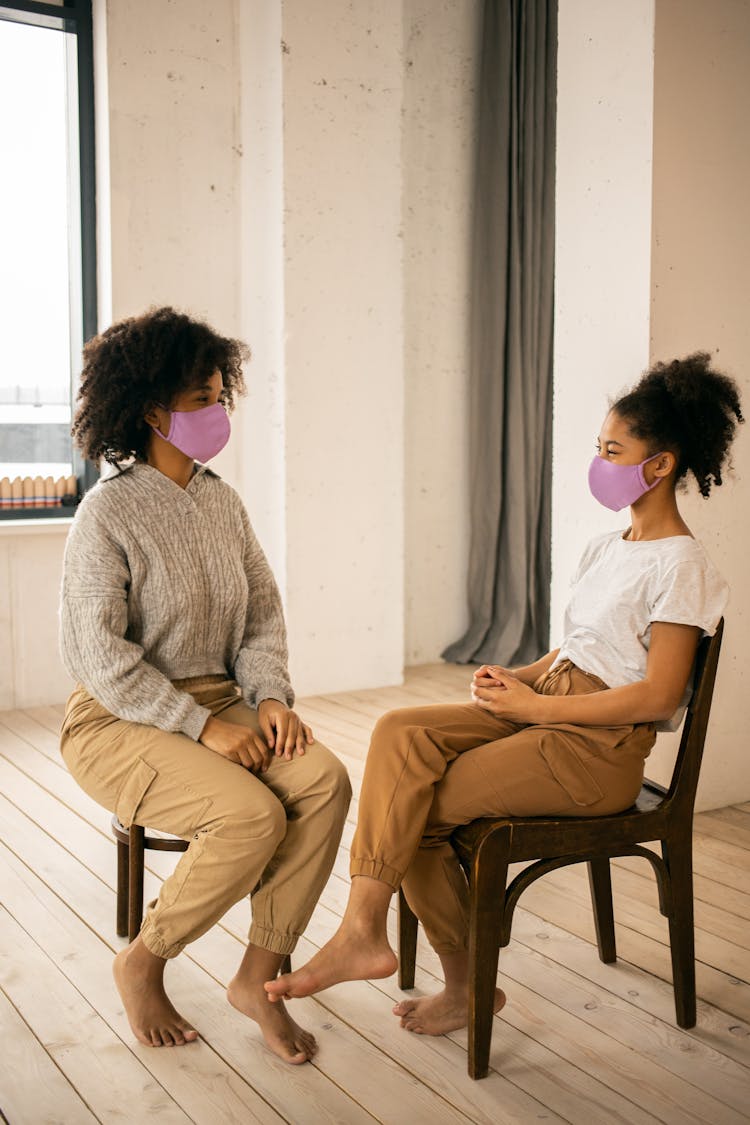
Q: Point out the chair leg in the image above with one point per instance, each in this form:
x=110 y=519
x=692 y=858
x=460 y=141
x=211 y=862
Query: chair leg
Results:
x=489 y=875
x=407 y=942
x=678 y=857
x=135 y=879
x=122 y=888
x=286 y=965
x=600 y=883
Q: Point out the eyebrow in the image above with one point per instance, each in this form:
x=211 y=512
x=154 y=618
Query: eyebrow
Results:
x=611 y=441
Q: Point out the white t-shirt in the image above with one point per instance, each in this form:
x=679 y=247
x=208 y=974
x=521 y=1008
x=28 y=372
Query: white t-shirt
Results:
x=621 y=587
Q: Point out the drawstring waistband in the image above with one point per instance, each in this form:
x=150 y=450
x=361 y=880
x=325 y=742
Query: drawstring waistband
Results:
x=562 y=671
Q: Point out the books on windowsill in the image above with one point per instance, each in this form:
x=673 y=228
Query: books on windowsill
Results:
x=38 y=492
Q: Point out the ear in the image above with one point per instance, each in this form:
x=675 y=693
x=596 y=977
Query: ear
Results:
x=664 y=464
x=152 y=416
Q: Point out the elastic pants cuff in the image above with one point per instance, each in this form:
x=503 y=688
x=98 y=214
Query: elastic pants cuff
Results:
x=156 y=944
x=376 y=870
x=272 y=941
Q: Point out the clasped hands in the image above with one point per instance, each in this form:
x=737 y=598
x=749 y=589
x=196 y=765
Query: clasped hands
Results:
x=281 y=733
x=499 y=691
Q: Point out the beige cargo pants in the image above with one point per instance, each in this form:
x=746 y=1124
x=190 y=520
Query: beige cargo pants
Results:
x=272 y=836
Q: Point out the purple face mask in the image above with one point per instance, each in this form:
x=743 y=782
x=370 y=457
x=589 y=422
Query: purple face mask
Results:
x=616 y=486
x=199 y=434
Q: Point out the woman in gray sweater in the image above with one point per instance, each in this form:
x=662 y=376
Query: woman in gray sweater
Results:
x=182 y=718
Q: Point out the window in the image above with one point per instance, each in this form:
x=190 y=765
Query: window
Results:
x=48 y=259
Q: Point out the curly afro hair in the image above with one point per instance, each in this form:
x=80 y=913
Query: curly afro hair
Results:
x=688 y=409
x=141 y=362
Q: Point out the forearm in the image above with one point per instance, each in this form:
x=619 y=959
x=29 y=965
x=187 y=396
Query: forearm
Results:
x=641 y=702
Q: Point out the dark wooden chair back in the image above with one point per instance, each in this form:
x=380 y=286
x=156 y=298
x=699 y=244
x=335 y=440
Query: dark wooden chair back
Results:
x=684 y=783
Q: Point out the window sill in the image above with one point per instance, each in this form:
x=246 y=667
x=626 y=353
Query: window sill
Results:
x=41 y=526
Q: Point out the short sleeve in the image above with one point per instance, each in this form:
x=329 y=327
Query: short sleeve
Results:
x=692 y=592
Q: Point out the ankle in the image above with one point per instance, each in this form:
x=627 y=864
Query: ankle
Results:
x=363 y=928
x=139 y=958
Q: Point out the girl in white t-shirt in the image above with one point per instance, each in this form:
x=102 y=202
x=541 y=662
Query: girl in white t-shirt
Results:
x=567 y=735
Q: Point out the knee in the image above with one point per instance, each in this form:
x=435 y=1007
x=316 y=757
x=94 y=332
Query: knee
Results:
x=389 y=727
x=332 y=778
x=341 y=785
x=394 y=731
x=259 y=820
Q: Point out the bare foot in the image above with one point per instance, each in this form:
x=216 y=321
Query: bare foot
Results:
x=139 y=978
x=437 y=1015
x=285 y=1037
x=347 y=956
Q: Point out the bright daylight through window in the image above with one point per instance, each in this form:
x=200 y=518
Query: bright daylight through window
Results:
x=41 y=298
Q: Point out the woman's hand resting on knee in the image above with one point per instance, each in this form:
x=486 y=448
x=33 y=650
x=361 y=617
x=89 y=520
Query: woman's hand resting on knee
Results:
x=238 y=744
x=283 y=728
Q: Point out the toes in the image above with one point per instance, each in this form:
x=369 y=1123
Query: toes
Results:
x=404 y=1007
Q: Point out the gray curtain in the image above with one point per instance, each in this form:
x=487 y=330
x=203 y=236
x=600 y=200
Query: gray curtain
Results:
x=511 y=360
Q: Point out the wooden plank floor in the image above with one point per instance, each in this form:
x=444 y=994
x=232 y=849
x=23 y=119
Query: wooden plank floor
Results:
x=578 y=1041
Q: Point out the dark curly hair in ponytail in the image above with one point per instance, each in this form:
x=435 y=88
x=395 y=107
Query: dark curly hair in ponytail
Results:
x=688 y=409
x=141 y=362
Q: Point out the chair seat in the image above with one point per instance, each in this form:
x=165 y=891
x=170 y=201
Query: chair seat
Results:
x=157 y=843
x=570 y=835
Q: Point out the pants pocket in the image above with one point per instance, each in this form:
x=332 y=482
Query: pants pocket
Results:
x=569 y=771
x=134 y=789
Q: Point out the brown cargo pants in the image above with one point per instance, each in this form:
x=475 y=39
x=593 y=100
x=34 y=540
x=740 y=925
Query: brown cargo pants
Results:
x=430 y=769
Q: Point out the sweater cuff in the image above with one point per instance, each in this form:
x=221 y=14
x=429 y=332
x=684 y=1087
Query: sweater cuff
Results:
x=195 y=721
x=272 y=693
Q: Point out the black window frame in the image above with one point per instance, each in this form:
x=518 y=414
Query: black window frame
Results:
x=74 y=17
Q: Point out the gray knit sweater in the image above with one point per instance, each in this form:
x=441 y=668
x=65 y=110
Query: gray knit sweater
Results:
x=161 y=583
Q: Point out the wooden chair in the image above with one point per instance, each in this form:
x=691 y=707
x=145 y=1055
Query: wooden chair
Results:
x=131 y=845
x=486 y=847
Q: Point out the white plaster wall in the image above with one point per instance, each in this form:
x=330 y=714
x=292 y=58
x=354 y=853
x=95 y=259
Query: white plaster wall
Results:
x=343 y=85
x=603 y=250
x=259 y=425
x=438 y=147
x=174 y=156
x=31 y=673
x=701 y=281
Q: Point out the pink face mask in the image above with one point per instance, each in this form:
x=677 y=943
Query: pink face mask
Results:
x=617 y=486
x=199 y=434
